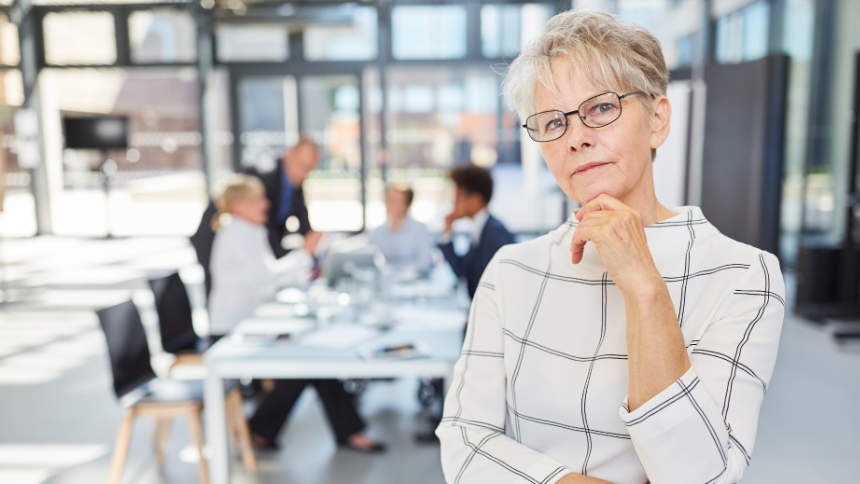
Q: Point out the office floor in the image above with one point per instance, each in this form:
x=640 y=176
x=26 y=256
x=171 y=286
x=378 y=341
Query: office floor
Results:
x=59 y=417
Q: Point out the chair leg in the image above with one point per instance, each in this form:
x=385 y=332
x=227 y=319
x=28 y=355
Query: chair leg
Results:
x=162 y=432
x=121 y=447
x=232 y=413
x=239 y=429
x=197 y=435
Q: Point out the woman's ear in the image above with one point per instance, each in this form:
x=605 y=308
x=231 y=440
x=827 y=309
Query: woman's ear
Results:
x=660 y=116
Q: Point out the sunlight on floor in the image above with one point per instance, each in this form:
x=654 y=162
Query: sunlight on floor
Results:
x=34 y=463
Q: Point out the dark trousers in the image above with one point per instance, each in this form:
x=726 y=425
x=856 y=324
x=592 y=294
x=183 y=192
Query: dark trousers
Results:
x=339 y=406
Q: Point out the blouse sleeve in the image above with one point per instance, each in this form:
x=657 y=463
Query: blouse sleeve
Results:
x=474 y=447
x=293 y=269
x=702 y=428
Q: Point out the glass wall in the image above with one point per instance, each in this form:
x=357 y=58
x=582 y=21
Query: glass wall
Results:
x=162 y=36
x=242 y=43
x=428 y=31
x=357 y=40
x=64 y=44
x=156 y=185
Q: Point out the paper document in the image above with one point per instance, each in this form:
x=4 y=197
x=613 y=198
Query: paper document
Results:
x=428 y=319
x=258 y=326
x=274 y=311
x=338 y=336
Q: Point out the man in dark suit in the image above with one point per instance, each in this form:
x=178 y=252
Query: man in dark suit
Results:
x=474 y=188
x=285 y=194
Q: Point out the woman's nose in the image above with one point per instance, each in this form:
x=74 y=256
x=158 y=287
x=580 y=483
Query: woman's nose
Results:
x=578 y=136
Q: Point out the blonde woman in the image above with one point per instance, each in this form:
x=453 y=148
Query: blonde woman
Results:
x=244 y=270
x=245 y=273
x=633 y=343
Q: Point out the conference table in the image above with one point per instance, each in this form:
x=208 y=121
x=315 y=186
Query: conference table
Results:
x=409 y=329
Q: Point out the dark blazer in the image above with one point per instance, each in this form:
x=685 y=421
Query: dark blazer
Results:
x=277 y=229
x=472 y=264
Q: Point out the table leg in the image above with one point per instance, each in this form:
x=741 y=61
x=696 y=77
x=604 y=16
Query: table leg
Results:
x=216 y=428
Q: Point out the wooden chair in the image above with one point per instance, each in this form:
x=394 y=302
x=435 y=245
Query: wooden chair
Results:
x=141 y=393
x=178 y=337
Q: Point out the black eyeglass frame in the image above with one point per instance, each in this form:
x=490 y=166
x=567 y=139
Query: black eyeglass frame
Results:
x=566 y=115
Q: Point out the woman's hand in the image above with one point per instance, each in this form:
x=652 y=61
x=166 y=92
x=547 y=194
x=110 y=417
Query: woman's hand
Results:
x=618 y=234
x=655 y=345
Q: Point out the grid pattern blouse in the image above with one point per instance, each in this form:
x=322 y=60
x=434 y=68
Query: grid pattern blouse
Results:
x=540 y=388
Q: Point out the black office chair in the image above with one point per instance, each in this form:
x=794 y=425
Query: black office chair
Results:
x=141 y=392
x=175 y=322
x=202 y=240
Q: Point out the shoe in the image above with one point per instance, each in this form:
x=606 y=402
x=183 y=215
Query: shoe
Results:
x=375 y=448
x=261 y=443
x=426 y=437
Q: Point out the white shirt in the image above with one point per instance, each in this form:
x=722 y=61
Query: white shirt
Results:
x=540 y=388
x=478 y=223
x=245 y=273
x=408 y=248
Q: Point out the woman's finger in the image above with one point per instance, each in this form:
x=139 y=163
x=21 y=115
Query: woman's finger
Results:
x=598 y=203
x=582 y=235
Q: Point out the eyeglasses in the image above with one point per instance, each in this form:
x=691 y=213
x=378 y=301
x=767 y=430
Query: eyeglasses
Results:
x=594 y=112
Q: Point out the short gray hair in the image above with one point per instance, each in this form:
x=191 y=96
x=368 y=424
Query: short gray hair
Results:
x=619 y=55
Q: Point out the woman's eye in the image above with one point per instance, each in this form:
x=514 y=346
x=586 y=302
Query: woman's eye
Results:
x=554 y=124
x=602 y=108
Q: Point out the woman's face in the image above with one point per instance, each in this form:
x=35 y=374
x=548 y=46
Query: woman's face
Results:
x=614 y=159
x=253 y=208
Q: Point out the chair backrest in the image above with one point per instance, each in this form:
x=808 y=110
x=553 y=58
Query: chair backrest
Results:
x=127 y=347
x=202 y=240
x=174 y=314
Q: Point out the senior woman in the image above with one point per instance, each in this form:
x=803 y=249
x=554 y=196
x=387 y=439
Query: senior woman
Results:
x=635 y=342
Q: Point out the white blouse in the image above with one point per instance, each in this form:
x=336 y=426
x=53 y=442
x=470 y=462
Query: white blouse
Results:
x=245 y=273
x=540 y=388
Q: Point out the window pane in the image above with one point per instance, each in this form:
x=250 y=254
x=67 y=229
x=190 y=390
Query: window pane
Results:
x=251 y=43
x=79 y=38
x=356 y=41
x=756 y=28
x=162 y=36
x=9 y=52
x=11 y=88
x=439 y=117
x=504 y=28
x=158 y=187
x=334 y=189
x=428 y=32
x=267 y=117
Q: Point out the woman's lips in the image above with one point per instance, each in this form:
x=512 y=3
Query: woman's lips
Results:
x=589 y=166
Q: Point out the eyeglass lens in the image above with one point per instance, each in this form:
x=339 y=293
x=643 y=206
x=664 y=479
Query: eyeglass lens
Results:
x=594 y=112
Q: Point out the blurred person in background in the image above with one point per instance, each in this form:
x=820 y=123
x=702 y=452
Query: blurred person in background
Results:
x=633 y=343
x=245 y=273
x=473 y=189
x=285 y=193
x=405 y=242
